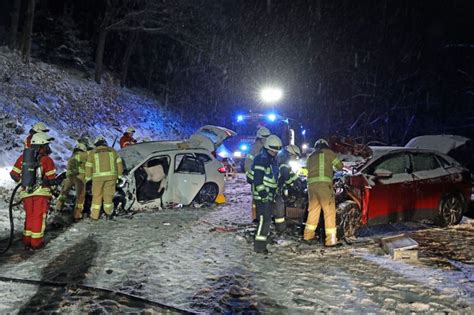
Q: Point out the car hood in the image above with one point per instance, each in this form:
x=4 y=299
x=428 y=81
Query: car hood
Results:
x=440 y=143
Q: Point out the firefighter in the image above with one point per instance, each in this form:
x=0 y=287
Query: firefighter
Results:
x=321 y=193
x=264 y=188
x=103 y=167
x=38 y=127
x=286 y=178
x=127 y=138
x=37 y=173
x=255 y=148
x=75 y=176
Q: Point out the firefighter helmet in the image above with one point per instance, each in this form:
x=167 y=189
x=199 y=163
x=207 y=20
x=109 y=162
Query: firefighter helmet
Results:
x=41 y=138
x=321 y=144
x=293 y=149
x=273 y=143
x=263 y=132
x=39 y=127
x=99 y=138
x=81 y=146
x=130 y=130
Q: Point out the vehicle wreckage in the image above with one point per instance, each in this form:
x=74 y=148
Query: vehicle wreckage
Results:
x=382 y=185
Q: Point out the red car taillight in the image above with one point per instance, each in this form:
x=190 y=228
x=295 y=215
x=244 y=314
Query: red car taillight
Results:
x=221 y=170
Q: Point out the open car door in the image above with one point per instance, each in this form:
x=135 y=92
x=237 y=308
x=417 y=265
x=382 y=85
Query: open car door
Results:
x=211 y=134
x=186 y=178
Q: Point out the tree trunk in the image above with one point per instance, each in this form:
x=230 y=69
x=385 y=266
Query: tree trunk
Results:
x=132 y=39
x=99 y=54
x=27 y=31
x=14 y=24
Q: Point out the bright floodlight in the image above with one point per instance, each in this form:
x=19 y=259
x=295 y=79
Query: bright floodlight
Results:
x=272 y=117
x=271 y=94
x=240 y=118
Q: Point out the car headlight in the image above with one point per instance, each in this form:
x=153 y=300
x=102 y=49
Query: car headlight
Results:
x=237 y=154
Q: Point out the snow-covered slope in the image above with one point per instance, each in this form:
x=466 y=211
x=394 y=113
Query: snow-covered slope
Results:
x=73 y=106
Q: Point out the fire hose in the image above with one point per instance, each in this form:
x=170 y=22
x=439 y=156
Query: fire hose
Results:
x=10 y=213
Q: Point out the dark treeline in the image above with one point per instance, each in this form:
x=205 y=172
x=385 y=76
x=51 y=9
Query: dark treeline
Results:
x=383 y=70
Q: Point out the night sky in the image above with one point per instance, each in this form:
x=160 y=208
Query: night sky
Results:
x=383 y=70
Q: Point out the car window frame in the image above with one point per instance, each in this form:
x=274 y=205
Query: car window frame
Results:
x=435 y=157
x=192 y=154
x=374 y=165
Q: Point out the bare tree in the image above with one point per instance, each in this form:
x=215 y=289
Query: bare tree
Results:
x=14 y=23
x=27 y=31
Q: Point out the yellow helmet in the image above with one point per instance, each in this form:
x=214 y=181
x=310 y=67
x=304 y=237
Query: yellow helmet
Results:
x=321 y=144
x=130 y=130
x=40 y=127
x=41 y=138
x=81 y=146
x=263 y=132
x=273 y=143
x=99 y=138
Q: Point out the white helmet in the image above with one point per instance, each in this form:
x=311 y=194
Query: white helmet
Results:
x=40 y=127
x=293 y=149
x=41 y=138
x=321 y=143
x=263 y=132
x=81 y=146
x=99 y=139
x=130 y=130
x=273 y=143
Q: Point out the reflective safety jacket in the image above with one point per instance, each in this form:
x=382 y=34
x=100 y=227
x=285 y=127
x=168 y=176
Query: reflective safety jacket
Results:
x=286 y=175
x=103 y=163
x=126 y=140
x=255 y=149
x=320 y=166
x=46 y=171
x=76 y=165
x=264 y=181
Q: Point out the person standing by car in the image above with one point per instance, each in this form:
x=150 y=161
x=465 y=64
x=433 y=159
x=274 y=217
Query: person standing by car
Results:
x=321 y=193
x=37 y=173
x=264 y=188
x=262 y=134
x=286 y=178
x=75 y=177
x=103 y=167
x=38 y=127
x=127 y=138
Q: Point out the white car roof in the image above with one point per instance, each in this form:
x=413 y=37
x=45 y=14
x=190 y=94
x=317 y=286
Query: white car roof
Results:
x=134 y=154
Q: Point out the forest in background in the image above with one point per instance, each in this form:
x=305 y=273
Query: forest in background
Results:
x=375 y=70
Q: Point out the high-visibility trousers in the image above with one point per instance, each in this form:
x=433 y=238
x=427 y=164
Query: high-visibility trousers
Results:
x=79 y=185
x=321 y=195
x=102 y=192
x=36 y=209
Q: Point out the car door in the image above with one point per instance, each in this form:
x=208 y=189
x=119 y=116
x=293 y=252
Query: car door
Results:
x=431 y=182
x=186 y=177
x=390 y=199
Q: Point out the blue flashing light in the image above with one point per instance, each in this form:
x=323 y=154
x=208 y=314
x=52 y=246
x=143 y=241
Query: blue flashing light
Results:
x=303 y=132
x=272 y=117
x=240 y=118
x=244 y=147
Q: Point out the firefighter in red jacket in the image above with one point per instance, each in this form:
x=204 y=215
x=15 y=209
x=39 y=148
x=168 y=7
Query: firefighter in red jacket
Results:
x=127 y=138
x=37 y=173
x=38 y=127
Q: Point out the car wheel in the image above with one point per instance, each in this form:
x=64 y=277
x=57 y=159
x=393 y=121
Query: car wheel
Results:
x=451 y=209
x=348 y=217
x=207 y=194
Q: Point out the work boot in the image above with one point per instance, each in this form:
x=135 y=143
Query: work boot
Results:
x=313 y=241
x=331 y=240
x=260 y=247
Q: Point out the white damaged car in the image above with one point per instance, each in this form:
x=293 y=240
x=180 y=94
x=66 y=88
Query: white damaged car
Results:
x=164 y=174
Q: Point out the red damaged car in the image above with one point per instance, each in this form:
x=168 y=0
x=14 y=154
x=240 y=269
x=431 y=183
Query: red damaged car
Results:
x=402 y=184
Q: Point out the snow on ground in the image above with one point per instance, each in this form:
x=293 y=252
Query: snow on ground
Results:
x=203 y=260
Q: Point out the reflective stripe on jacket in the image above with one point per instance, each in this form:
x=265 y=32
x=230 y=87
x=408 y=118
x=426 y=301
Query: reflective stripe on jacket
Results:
x=320 y=166
x=255 y=149
x=48 y=171
x=263 y=178
x=76 y=165
x=103 y=162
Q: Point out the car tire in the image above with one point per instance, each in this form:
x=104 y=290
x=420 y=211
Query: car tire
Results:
x=348 y=215
x=451 y=209
x=207 y=194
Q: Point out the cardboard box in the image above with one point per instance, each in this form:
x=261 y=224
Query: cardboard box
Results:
x=400 y=247
x=294 y=213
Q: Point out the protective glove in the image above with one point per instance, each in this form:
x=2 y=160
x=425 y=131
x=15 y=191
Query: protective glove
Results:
x=15 y=177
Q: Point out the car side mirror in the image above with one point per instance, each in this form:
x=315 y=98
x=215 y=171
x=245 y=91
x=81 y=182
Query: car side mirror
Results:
x=382 y=174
